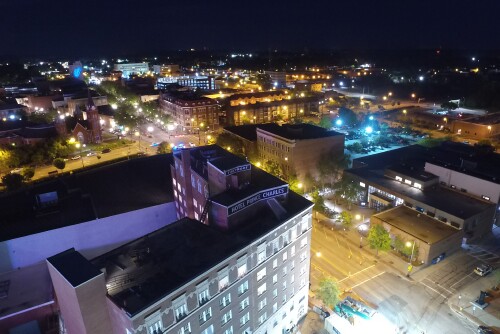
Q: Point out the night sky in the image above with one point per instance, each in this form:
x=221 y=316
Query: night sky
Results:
x=103 y=27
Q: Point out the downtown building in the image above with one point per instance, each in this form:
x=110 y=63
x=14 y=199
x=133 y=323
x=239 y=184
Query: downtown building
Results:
x=236 y=261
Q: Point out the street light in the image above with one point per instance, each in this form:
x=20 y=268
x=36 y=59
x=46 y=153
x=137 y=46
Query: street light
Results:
x=410 y=267
x=138 y=134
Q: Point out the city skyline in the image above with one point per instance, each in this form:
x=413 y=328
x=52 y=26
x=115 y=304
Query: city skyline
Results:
x=89 y=28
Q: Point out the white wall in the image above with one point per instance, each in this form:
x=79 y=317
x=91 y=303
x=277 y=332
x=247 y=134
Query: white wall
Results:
x=474 y=185
x=91 y=239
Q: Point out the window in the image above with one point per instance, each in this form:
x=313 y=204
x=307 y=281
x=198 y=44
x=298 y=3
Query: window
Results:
x=284 y=298
x=243 y=288
x=408 y=181
x=292 y=250
x=225 y=301
x=275 y=293
x=181 y=311
x=485 y=197
x=362 y=184
x=292 y=278
x=292 y=265
x=203 y=297
x=199 y=186
x=303 y=242
x=284 y=285
x=226 y=317
x=242 y=267
x=244 y=303
x=229 y=330
x=155 y=328
x=193 y=181
x=399 y=178
x=195 y=202
x=205 y=315
x=304 y=224
x=186 y=329
x=262 y=303
x=244 y=319
x=275 y=307
x=303 y=256
x=285 y=270
x=261 y=256
x=209 y=330
x=275 y=279
x=302 y=282
x=261 y=289
x=285 y=256
x=223 y=282
x=261 y=274
x=417 y=185
x=262 y=318
x=275 y=263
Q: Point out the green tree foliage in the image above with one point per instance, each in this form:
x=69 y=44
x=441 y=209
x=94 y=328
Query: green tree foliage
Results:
x=348 y=116
x=346 y=219
x=272 y=167
x=12 y=181
x=43 y=117
x=328 y=292
x=325 y=122
x=164 y=147
x=230 y=143
x=28 y=173
x=331 y=166
x=345 y=188
x=319 y=201
x=355 y=147
x=59 y=163
x=379 y=239
x=126 y=116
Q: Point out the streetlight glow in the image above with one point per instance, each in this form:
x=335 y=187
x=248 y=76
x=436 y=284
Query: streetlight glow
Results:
x=368 y=129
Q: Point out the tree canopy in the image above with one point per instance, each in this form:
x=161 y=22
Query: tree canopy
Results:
x=59 y=163
x=12 y=181
x=348 y=116
x=379 y=239
x=230 y=143
x=328 y=292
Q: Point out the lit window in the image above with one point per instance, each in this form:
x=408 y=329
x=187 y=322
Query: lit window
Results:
x=285 y=256
x=226 y=317
x=362 y=184
x=205 y=315
x=399 y=178
x=226 y=300
x=303 y=242
x=485 y=197
x=243 y=288
x=261 y=274
x=244 y=319
x=408 y=181
x=261 y=289
x=244 y=303
x=275 y=279
x=275 y=263
x=262 y=303
x=242 y=267
x=417 y=185
x=223 y=282
x=186 y=329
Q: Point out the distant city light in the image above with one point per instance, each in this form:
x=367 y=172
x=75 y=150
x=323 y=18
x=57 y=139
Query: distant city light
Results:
x=338 y=122
x=421 y=78
x=341 y=83
x=368 y=129
x=370 y=118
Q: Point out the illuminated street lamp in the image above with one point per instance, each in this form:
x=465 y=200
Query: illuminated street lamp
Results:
x=410 y=267
x=413 y=95
x=368 y=129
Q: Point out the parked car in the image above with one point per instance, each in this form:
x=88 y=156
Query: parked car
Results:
x=76 y=157
x=16 y=171
x=483 y=269
x=106 y=150
x=484 y=330
x=192 y=144
x=90 y=154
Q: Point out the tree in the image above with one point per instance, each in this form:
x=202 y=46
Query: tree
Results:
x=379 y=239
x=12 y=181
x=355 y=147
x=329 y=292
x=348 y=116
x=272 y=167
x=59 y=163
x=230 y=143
x=325 y=122
x=318 y=200
x=28 y=173
x=164 y=147
x=331 y=165
x=347 y=190
x=346 y=219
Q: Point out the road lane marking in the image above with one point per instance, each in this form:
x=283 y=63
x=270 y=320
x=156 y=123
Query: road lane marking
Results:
x=439 y=293
x=368 y=279
x=357 y=273
x=467 y=276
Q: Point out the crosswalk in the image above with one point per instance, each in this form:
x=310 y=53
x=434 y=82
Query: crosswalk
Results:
x=484 y=255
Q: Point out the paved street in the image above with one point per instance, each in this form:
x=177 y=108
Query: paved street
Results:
x=418 y=305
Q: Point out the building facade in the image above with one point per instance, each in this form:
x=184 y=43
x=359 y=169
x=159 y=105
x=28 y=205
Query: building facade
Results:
x=190 y=112
x=129 y=69
x=191 y=81
x=244 y=270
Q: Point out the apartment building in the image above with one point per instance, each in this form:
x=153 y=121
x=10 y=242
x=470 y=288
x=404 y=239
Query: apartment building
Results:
x=190 y=111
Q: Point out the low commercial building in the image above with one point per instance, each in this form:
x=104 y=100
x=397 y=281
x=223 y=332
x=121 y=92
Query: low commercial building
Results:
x=441 y=182
x=191 y=81
x=479 y=127
x=129 y=69
x=430 y=240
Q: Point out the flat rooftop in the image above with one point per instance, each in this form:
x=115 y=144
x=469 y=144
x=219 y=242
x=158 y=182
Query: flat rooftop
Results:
x=420 y=175
x=84 y=196
x=298 y=131
x=417 y=224
x=441 y=198
x=246 y=131
x=25 y=288
x=488 y=119
x=74 y=267
x=146 y=270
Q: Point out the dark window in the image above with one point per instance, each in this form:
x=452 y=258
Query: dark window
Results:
x=430 y=214
x=454 y=224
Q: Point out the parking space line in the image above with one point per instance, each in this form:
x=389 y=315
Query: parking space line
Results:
x=439 y=293
x=368 y=279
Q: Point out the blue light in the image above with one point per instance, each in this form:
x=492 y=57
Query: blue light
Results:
x=77 y=71
x=368 y=129
x=370 y=118
x=12 y=116
x=338 y=122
